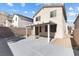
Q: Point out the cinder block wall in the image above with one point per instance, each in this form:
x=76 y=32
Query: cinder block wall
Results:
x=19 y=31
x=8 y=32
x=76 y=36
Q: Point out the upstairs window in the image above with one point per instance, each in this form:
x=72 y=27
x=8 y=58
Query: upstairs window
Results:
x=16 y=18
x=38 y=18
x=53 y=13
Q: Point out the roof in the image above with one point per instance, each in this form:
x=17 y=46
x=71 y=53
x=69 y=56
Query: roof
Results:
x=76 y=18
x=53 y=5
x=25 y=17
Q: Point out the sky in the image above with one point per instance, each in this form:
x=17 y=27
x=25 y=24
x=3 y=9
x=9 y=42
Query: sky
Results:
x=29 y=9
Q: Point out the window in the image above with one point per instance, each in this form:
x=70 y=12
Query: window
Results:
x=45 y=28
x=40 y=28
x=38 y=18
x=53 y=13
x=16 y=18
x=53 y=28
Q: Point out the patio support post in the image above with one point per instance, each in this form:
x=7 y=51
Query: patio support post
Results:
x=33 y=32
x=48 y=33
x=26 y=32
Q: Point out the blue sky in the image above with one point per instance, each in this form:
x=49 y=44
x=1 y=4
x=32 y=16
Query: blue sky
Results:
x=29 y=9
x=20 y=8
x=72 y=10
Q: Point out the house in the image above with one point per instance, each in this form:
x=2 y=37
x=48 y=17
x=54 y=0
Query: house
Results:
x=20 y=21
x=50 y=21
x=76 y=31
x=3 y=18
x=9 y=21
x=70 y=29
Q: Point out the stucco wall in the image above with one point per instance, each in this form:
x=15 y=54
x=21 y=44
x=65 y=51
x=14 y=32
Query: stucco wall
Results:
x=23 y=23
x=59 y=20
x=8 y=24
x=14 y=22
x=3 y=19
x=20 y=23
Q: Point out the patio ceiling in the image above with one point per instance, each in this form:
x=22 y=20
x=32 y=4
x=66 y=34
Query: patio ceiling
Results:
x=40 y=23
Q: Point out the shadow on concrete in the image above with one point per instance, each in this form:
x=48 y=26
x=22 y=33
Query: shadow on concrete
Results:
x=14 y=39
x=4 y=48
x=75 y=47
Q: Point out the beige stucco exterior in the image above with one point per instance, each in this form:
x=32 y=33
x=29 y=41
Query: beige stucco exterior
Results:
x=3 y=18
x=20 y=22
x=14 y=21
x=9 y=21
x=61 y=30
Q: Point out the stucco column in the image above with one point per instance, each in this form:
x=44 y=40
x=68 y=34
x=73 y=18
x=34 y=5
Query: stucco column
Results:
x=48 y=32
x=33 y=32
x=26 y=32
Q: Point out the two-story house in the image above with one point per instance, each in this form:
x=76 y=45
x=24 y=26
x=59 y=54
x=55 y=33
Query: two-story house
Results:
x=50 y=21
x=3 y=18
x=9 y=21
x=21 y=21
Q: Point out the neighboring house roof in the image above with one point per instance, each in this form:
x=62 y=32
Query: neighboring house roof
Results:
x=76 y=18
x=25 y=17
x=53 y=5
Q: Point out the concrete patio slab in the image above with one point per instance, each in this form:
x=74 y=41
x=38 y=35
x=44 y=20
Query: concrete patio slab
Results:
x=27 y=47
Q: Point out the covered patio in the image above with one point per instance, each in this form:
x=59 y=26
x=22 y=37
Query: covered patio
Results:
x=46 y=29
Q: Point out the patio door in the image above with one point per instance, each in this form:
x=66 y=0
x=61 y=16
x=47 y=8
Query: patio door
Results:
x=36 y=31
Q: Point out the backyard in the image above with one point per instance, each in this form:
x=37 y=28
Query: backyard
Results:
x=37 y=47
